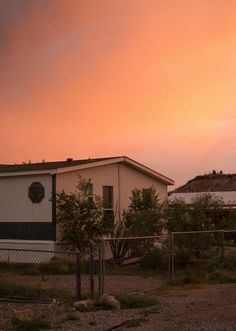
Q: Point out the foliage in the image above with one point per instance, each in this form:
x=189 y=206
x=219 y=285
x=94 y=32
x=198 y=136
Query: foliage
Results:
x=143 y=217
x=217 y=271
x=155 y=259
x=55 y=266
x=79 y=217
x=205 y=213
x=32 y=292
x=119 y=247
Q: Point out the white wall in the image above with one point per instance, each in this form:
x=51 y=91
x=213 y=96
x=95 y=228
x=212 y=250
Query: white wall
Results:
x=15 y=205
x=102 y=175
x=131 y=178
x=116 y=175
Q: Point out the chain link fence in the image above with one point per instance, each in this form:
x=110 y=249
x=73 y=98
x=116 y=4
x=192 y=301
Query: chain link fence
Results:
x=203 y=256
x=125 y=265
x=134 y=264
x=145 y=264
x=47 y=272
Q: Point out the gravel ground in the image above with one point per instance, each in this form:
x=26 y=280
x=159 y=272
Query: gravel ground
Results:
x=210 y=308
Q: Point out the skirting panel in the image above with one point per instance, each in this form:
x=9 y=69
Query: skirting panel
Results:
x=28 y=230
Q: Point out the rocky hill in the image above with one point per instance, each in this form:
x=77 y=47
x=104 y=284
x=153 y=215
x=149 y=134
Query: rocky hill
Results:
x=214 y=182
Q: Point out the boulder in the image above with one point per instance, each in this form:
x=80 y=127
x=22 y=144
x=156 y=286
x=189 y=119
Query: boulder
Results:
x=110 y=301
x=83 y=305
x=23 y=315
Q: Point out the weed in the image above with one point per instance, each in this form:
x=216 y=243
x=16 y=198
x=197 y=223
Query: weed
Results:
x=32 y=292
x=135 y=301
x=135 y=322
x=151 y=310
x=222 y=277
x=185 y=277
x=36 y=324
x=217 y=271
x=72 y=317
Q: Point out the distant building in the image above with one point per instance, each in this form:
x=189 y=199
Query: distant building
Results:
x=216 y=184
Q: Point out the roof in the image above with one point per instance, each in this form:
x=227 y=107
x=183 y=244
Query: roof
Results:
x=47 y=165
x=229 y=197
x=24 y=169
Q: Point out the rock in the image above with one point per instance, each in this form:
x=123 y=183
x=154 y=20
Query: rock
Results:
x=83 y=305
x=109 y=300
x=24 y=315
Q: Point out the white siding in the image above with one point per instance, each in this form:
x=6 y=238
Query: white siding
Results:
x=15 y=206
x=102 y=175
x=123 y=179
x=131 y=178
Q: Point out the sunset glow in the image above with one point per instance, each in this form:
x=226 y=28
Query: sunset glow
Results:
x=154 y=80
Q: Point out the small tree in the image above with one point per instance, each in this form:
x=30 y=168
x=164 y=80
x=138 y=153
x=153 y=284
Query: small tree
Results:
x=143 y=217
x=79 y=217
x=81 y=224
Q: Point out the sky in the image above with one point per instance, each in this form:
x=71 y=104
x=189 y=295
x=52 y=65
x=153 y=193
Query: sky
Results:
x=154 y=80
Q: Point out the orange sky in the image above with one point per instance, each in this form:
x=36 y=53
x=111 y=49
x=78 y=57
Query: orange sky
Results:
x=154 y=80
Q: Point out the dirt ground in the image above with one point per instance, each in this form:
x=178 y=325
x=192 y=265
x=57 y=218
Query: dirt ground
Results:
x=113 y=283
x=205 y=308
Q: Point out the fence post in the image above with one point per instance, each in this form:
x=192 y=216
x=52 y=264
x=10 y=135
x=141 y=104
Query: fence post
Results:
x=91 y=270
x=78 y=274
x=222 y=245
x=169 y=262
x=101 y=268
x=172 y=256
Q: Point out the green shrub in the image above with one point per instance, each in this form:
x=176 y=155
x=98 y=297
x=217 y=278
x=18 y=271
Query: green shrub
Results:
x=186 y=277
x=217 y=271
x=228 y=263
x=221 y=277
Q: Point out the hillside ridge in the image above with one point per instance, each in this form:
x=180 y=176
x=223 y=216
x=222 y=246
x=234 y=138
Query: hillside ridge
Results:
x=213 y=182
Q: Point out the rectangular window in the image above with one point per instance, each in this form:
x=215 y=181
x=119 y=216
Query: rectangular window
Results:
x=90 y=189
x=90 y=193
x=108 y=197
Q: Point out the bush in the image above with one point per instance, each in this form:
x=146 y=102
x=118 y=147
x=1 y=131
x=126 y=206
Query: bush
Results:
x=155 y=259
x=217 y=272
x=186 y=277
x=222 y=277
